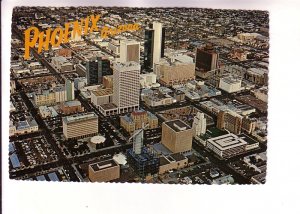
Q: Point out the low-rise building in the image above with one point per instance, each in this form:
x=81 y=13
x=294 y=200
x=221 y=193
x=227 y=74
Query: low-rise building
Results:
x=175 y=71
x=257 y=75
x=71 y=107
x=104 y=171
x=148 y=80
x=64 y=52
x=62 y=64
x=240 y=54
x=195 y=90
x=173 y=161
x=261 y=93
x=45 y=97
x=47 y=111
x=137 y=119
x=157 y=97
x=23 y=127
x=108 y=109
x=102 y=96
x=227 y=145
x=12 y=128
x=230 y=84
x=227 y=179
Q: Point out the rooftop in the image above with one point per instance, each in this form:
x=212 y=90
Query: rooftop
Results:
x=72 y=103
x=80 y=117
x=108 y=106
x=127 y=66
x=177 y=125
x=139 y=112
x=178 y=156
x=231 y=80
x=103 y=92
x=127 y=118
x=227 y=141
x=163 y=161
x=103 y=165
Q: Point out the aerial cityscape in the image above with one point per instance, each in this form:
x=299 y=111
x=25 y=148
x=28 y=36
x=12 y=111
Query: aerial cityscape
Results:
x=148 y=95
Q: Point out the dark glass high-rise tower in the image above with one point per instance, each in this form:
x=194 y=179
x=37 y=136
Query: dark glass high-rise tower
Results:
x=95 y=70
x=154 y=44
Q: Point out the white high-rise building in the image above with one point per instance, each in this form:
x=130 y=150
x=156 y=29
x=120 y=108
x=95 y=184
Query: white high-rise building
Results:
x=157 y=27
x=129 y=51
x=126 y=86
x=199 y=124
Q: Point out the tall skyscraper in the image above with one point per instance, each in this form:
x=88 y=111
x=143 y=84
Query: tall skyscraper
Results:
x=199 y=124
x=69 y=85
x=206 y=60
x=95 y=70
x=129 y=51
x=154 y=44
x=126 y=86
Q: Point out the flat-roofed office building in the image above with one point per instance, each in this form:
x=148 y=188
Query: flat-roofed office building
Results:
x=102 y=96
x=104 y=171
x=177 y=136
x=80 y=125
x=227 y=145
x=173 y=161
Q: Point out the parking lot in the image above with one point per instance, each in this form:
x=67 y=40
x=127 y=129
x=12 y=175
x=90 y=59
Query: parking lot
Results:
x=54 y=124
x=35 y=151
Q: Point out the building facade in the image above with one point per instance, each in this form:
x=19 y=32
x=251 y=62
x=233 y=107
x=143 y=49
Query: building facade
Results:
x=154 y=44
x=80 y=125
x=230 y=84
x=230 y=121
x=173 y=72
x=95 y=70
x=69 y=85
x=129 y=51
x=126 y=86
x=206 y=60
x=177 y=136
x=71 y=107
x=137 y=119
x=104 y=171
x=226 y=146
x=173 y=161
x=102 y=96
x=45 y=97
x=199 y=124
